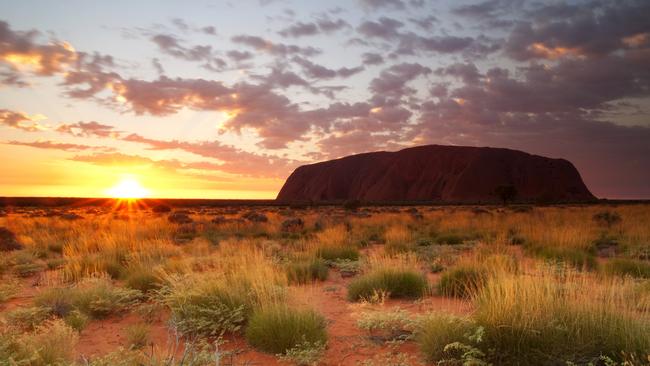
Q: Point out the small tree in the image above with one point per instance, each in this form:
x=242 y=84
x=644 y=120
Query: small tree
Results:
x=506 y=193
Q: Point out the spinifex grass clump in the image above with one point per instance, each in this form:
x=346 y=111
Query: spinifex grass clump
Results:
x=576 y=257
x=279 y=328
x=398 y=239
x=397 y=277
x=435 y=331
x=96 y=298
x=307 y=270
x=221 y=302
x=334 y=243
x=52 y=343
x=548 y=318
x=337 y=252
x=462 y=281
x=627 y=267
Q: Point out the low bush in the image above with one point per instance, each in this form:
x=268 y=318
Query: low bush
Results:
x=387 y=325
x=302 y=272
x=627 y=267
x=397 y=283
x=462 y=281
x=279 y=328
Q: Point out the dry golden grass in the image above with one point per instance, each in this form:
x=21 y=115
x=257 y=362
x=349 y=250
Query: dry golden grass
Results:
x=541 y=277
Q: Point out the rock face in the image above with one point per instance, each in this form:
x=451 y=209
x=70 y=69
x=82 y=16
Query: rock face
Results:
x=436 y=173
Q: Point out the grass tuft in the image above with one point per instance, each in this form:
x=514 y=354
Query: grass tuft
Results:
x=279 y=328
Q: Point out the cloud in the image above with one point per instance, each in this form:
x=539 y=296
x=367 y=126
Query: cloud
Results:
x=410 y=43
x=232 y=160
x=88 y=129
x=19 y=51
x=595 y=29
x=379 y=4
x=302 y=29
x=370 y=58
x=171 y=45
x=21 y=121
x=239 y=56
x=277 y=49
x=316 y=71
x=384 y=28
x=58 y=146
x=392 y=82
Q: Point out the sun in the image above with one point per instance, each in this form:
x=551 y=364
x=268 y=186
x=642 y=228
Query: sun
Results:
x=128 y=188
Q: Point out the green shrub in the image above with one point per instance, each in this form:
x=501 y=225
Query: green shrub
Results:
x=307 y=271
x=398 y=283
x=435 y=331
x=279 y=328
x=461 y=281
x=337 y=252
x=627 y=267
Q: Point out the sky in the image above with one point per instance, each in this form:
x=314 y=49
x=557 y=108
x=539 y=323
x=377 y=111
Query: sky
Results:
x=224 y=99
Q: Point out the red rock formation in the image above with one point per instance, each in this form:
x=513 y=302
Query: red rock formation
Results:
x=436 y=173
